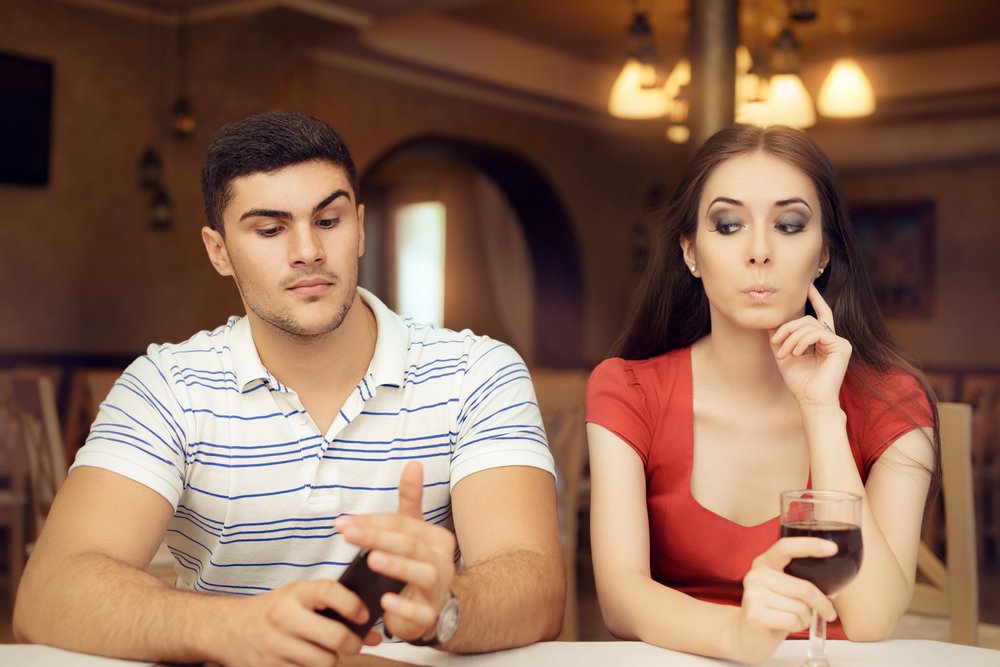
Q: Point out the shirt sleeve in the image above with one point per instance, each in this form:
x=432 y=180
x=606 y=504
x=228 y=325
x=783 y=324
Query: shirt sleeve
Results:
x=498 y=422
x=139 y=430
x=891 y=404
x=616 y=401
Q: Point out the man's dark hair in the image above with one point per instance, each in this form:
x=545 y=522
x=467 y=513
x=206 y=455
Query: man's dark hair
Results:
x=262 y=143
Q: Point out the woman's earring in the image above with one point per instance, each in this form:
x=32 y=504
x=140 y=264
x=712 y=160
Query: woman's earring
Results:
x=693 y=268
x=820 y=272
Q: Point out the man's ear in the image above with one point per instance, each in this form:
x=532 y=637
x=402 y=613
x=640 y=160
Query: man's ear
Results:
x=688 y=251
x=215 y=246
x=361 y=230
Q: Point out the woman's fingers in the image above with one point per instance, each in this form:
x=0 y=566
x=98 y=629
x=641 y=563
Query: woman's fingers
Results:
x=823 y=311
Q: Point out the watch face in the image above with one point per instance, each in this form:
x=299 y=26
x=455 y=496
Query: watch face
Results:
x=448 y=620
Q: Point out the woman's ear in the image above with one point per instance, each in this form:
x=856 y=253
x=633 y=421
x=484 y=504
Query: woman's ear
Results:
x=687 y=250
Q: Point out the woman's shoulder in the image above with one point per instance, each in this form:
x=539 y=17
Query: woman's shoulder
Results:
x=642 y=372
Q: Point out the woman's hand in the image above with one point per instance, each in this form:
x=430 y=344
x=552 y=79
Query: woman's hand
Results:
x=776 y=604
x=811 y=357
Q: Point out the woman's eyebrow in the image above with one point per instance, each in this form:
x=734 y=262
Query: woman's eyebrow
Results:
x=725 y=200
x=793 y=200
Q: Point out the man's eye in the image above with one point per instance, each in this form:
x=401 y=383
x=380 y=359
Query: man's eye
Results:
x=268 y=231
x=326 y=223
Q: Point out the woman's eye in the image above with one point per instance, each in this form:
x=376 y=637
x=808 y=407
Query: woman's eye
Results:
x=727 y=227
x=789 y=226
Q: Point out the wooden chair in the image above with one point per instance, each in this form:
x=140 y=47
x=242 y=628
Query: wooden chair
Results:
x=13 y=473
x=951 y=587
x=88 y=389
x=560 y=396
x=35 y=398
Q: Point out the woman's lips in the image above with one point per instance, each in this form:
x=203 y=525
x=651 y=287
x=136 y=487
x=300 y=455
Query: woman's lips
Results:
x=759 y=293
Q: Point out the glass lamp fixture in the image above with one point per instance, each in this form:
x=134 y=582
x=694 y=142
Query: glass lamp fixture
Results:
x=636 y=94
x=789 y=102
x=638 y=91
x=846 y=92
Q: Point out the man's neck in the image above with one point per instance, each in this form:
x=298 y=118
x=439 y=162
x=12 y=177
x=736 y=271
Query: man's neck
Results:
x=320 y=366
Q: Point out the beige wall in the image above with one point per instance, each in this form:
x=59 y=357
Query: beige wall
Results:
x=93 y=276
x=84 y=271
x=964 y=328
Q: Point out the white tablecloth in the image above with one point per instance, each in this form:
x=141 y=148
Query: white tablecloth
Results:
x=905 y=653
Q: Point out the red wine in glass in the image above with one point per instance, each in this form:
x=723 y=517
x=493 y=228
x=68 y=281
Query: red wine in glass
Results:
x=832 y=573
x=830 y=515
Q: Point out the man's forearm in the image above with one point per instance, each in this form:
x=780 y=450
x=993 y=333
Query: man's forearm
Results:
x=511 y=600
x=94 y=604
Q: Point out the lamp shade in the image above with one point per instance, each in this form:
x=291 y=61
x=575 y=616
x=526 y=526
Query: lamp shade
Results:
x=789 y=102
x=846 y=92
x=635 y=93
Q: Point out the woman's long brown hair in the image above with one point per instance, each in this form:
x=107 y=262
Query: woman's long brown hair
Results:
x=671 y=309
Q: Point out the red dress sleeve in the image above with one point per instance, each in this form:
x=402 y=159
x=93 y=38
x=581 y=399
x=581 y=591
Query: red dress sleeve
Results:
x=616 y=401
x=881 y=407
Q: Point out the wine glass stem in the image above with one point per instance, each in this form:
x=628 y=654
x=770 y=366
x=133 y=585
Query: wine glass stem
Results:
x=816 y=657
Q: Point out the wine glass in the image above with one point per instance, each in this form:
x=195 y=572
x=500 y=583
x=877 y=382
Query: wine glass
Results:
x=830 y=515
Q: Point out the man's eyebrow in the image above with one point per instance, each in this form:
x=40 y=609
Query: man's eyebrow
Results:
x=265 y=213
x=332 y=196
x=285 y=215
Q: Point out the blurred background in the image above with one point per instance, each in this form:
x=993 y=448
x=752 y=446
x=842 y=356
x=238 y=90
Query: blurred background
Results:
x=492 y=167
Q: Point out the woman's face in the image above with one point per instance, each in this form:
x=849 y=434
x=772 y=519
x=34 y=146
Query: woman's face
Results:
x=759 y=241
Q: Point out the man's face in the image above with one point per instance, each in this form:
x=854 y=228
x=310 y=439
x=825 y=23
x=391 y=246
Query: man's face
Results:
x=293 y=239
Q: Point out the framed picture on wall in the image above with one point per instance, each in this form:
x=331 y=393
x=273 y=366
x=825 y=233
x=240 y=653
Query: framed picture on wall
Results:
x=897 y=240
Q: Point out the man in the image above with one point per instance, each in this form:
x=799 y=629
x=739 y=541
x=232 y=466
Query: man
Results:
x=270 y=449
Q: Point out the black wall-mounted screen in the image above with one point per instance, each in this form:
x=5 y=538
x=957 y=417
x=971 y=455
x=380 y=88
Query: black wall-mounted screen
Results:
x=25 y=119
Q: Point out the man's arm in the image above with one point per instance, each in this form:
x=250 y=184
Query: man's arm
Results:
x=511 y=585
x=84 y=589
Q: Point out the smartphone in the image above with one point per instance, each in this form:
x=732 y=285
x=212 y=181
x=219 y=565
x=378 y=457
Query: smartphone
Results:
x=367 y=585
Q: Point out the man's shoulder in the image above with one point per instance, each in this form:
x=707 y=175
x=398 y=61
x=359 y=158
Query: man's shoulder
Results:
x=428 y=343
x=205 y=349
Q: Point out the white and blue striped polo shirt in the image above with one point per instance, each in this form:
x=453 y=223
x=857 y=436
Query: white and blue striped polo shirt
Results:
x=256 y=486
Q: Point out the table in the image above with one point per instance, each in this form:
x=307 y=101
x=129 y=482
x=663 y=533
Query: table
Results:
x=908 y=652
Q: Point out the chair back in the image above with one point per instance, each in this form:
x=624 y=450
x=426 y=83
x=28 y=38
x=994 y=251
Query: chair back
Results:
x=35 y=398
x=560 y=394
x=952 y=588
x=13 y=488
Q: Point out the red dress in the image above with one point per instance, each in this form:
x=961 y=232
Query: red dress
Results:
x=649 y=404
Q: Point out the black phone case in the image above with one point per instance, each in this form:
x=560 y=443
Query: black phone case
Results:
x=369 y=586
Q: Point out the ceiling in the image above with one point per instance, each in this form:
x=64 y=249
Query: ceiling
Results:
x=569 y=51
x=595 y=29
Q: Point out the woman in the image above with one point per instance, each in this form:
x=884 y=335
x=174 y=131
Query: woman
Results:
x=754 y=362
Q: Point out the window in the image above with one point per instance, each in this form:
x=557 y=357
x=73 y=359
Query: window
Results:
x=420 y=230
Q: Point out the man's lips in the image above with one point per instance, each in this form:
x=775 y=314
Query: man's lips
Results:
x=311 y=286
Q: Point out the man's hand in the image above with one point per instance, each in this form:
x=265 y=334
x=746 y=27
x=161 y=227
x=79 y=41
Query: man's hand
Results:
x=281 y=627
x=405 y=547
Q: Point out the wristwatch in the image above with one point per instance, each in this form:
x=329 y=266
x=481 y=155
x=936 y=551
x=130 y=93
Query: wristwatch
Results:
x=447 y=624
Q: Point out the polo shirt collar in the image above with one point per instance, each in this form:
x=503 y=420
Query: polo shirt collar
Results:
x=247 y=366
x=388 y=365
x=392 y=342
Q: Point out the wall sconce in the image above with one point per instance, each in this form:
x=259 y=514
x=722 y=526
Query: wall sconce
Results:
x=150 y=169
x=162 y=211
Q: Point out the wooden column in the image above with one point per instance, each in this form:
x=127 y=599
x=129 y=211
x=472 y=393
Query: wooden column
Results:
x=714 y=37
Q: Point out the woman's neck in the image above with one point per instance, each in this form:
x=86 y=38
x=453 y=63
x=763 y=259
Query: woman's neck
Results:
x=740 y=359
